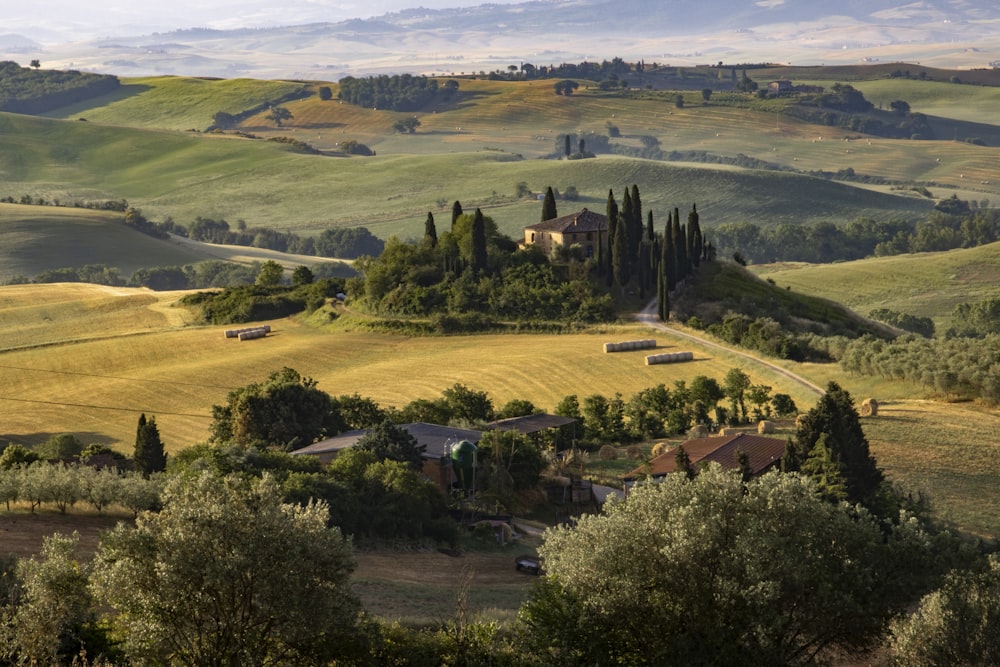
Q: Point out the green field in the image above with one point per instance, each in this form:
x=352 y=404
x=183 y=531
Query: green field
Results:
x=476 y=150
x=925 y=284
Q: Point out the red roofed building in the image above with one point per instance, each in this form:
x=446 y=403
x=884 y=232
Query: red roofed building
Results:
x=763 y=454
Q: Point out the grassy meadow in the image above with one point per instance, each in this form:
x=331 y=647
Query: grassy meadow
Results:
x=925 y=284
x=476 y=149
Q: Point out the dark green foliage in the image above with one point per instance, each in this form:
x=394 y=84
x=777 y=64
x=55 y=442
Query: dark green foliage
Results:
x=517 y=407
x=620 y=261
x=549 y=205
x=919 y=325
x=16 y=455
x=149 y=456
x=285 y=411
x=348 y=243
x=325 y=93
x=430 y=231
x=456 y=213
x=783 y=405
x=302 y=275
x=387 y=441
x=360 y=412
x=478 y=239
x=257 y=303
x=468 y=405
x=407 y=125
x=63 y=446
x=36 y=91
x=835 y=420
x=401 y=92
x=976 y=319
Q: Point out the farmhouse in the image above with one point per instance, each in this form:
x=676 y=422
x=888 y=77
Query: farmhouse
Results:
x=779 y=87
x=437 y=442
x=763 y=454
x=584 y=228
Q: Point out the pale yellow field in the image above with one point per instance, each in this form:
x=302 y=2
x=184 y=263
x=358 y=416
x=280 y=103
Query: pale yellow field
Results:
x=87 y=360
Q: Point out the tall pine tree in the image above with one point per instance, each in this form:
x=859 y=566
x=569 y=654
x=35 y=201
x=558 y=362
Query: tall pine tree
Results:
x=456 y=213
x=836 y=423
x=149 y=456
x=549 y=206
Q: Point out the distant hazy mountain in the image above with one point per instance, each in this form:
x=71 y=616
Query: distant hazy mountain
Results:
x=947 y=33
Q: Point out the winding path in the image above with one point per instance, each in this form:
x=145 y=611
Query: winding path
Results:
x=648 y=317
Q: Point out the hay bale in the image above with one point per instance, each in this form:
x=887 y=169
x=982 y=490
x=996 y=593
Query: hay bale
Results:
x=607 y=453
x=728 y=431
x=634 y=452
x=765 y=426
x=869 y=408
x=659 y=449
x=699 y=431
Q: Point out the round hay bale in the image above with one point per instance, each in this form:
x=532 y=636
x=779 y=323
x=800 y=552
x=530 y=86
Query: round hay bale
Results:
x=728 y=431
x=765 y=426
x=869 y=408
x=659 y=448
x=699 y=431
x=634 y=452
x=607 y=453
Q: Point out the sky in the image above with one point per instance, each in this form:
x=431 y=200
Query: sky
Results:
x=74 y=20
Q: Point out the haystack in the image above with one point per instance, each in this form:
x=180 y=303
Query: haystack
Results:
x=869 y=408
x=765 y=426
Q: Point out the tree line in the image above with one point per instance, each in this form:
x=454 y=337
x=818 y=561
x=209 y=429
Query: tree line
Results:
x=954 y=224
x=35 y=91
x=399 y=92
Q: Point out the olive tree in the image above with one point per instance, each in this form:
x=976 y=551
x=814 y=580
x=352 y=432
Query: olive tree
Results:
x=227 y=574
x=715 y=570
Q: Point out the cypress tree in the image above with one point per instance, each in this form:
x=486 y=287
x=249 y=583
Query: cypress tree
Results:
x=549 y=205
x=430 y=231
x=612 y=213
x=149 y=456
x=682 y=244
x=626 y=220
x=456 y=212
x=675 y=231
x=478 y=232
x=663 y=276
x=670 y=253
x=695 y=240
x=567 y=147
x=619 y=253
x=650 y=230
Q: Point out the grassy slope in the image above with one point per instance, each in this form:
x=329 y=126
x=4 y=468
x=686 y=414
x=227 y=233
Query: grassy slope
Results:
x=185 y=176
x=34 y=239
x=176 y=103
x=87 y=360
x=928 y=284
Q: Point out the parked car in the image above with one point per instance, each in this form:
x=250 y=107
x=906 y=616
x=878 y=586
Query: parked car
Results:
x=528 y=564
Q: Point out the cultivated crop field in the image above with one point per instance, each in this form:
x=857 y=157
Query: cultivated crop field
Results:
x=87 y=360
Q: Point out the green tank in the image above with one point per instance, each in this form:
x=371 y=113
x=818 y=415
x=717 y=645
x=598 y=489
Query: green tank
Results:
x=463 y=462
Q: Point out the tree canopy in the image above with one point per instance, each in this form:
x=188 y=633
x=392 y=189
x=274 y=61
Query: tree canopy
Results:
x=227 y=574
x=697 y=571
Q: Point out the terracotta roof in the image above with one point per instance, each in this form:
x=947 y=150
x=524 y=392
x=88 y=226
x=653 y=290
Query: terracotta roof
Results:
x=763 y=454
x=581 y=221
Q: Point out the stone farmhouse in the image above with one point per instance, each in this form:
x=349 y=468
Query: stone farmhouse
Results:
x=584 y=228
